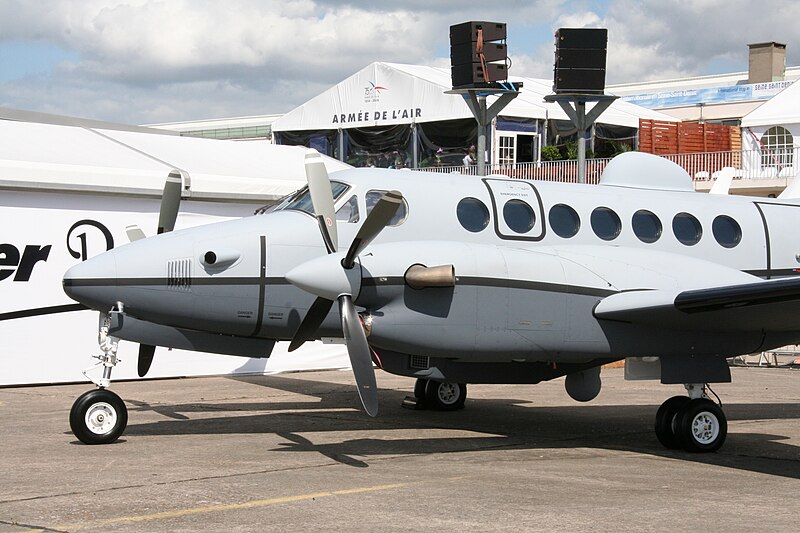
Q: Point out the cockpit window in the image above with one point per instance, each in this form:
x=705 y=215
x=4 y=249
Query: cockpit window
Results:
x=372 y=198
x=300 y=200
x=349 y=211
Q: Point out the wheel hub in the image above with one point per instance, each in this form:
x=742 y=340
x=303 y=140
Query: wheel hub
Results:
x=705 y=427
x=448 y=392
x=101 y=418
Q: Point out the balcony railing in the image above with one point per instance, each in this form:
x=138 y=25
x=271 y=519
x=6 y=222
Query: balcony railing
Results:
x=747 y=165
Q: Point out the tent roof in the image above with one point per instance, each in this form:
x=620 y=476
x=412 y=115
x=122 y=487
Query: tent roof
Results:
x=783 y=108
x=392 y=93
x=61 y=157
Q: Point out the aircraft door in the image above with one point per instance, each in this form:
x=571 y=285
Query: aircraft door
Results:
x=518 y=209
x=782 y=223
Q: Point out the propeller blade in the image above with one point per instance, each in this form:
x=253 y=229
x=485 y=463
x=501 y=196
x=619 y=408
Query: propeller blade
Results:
x=146 y=353
x=170 y=202
x=319 y=186
x=359 y=352
x=310 y=324
x=378 y=219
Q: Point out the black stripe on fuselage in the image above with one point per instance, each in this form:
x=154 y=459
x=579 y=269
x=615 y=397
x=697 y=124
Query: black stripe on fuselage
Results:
x=367 y=282
x=40 y=311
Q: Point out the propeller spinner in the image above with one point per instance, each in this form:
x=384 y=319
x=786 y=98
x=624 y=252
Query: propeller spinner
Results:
x=334 y=278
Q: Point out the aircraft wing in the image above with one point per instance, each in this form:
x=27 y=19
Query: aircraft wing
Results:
x=771 y=305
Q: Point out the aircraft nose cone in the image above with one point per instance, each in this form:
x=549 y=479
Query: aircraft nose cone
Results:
x=93 y=281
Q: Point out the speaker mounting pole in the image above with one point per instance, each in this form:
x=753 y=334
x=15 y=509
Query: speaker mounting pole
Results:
x=476 y=101
x=582 y=120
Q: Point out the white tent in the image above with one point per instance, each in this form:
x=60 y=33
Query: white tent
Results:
x=781 y=110
x=59 y=157
x=384 y=94
x=771 y=135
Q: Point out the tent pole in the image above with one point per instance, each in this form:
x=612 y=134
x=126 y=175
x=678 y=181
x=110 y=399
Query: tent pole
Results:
x=414 y=146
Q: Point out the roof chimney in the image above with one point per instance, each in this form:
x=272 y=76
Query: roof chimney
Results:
x=767 y=62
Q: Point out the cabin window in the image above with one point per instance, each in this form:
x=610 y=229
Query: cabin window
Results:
x=777 y=148
x=687 y=229
x=564 y=221
x=301 y=199
x=349 y=211
x=518 y=216
x=726 y=231
x=646 y=226
x=472 y=214
x=605 y=223
x=372 y=198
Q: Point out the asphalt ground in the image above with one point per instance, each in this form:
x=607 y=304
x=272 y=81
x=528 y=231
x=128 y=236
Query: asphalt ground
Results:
x=294 y=453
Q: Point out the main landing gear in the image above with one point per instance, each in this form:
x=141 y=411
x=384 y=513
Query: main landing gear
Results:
x=440 y=395
x=99 y=416
x=693 y=422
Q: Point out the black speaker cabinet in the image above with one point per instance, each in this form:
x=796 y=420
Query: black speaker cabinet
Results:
x=468 y=31
x=472 y=73
x=467 y=53
x=579 y=81
x=580 y=62
x=582 y=38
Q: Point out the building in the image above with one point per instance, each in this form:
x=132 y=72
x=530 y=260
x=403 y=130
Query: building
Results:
x=721 y=99
x=255 y=128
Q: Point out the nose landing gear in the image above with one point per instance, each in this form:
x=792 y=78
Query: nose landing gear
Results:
x=99 y=416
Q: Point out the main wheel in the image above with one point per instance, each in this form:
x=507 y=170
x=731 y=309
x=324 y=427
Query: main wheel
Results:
x=445 y=396
x=666 y=418
x=98 y=417
x=701 y=426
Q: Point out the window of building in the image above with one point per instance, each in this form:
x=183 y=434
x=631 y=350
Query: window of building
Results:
x=646 y=226
x=687 y=229
x=777 y=148
x=605 y=223
x=564 y=221
x=472 y=214
x=726 y=231
x=518 y=216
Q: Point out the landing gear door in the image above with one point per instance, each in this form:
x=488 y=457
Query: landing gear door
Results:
x=518 y=209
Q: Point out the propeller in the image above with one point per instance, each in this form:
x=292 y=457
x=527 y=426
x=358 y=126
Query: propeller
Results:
x=167 y=215
x=334 y=278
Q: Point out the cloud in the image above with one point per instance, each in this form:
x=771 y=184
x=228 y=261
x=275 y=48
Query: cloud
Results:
x=160 y=60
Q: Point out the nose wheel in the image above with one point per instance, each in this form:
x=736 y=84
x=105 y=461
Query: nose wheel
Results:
x=98 y=417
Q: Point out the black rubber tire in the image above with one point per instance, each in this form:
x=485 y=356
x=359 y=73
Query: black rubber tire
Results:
x=419 y=388
x=101 y=403
x=666 y=420
x=701 y=426
x=445 y=396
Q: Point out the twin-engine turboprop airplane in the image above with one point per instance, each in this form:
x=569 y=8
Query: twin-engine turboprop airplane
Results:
x=456 y=279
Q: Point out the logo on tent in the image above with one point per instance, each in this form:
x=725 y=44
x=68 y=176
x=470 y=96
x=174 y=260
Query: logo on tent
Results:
x=372 y=92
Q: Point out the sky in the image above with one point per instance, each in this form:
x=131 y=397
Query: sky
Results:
x=153 y=61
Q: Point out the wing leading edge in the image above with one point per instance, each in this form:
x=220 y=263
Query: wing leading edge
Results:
x=771 y=305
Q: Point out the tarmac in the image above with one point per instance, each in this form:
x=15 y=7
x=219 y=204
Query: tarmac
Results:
x=293 y=452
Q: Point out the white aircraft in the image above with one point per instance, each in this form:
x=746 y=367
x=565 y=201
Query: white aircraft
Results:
x=455 y=279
